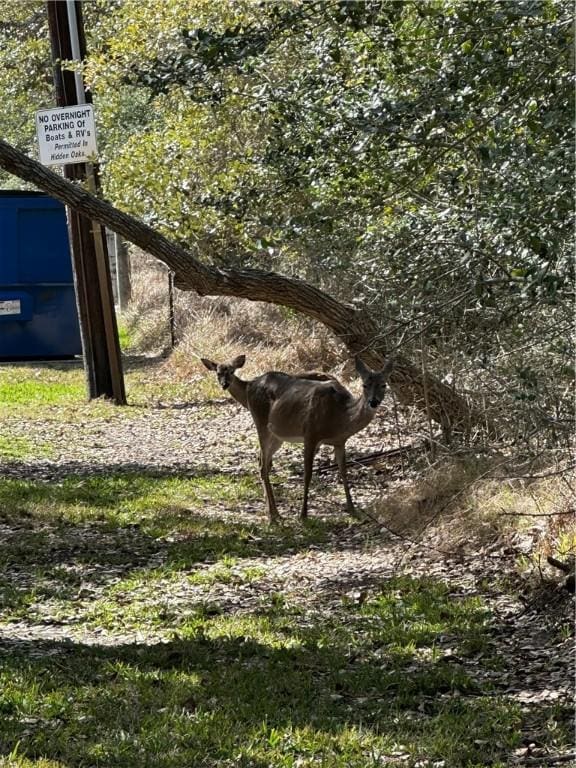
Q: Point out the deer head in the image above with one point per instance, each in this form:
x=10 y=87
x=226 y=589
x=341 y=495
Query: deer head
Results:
x=224 y=371
x=373 y=382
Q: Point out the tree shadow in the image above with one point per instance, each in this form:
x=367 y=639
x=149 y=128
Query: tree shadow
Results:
x=81 y=472
x=236 y=698
x=95 y=524
x=101 y=489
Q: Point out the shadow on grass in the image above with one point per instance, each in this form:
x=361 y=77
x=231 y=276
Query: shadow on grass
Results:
x=348 y=687
x=152 y=503
x=70 y=472
x=90 y=529
x=225 y=700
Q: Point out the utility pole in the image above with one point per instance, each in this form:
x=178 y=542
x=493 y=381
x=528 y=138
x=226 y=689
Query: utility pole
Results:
x=99 y=331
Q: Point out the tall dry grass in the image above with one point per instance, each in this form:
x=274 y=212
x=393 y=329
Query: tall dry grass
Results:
x=472 y=504
x=273 y=338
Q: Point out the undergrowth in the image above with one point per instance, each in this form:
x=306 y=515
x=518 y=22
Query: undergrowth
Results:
x=471 y=503
x=220 y=328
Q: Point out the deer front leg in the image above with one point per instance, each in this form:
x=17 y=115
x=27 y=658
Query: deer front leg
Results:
x=309 y=453
x=268 y=447
x=340 y=456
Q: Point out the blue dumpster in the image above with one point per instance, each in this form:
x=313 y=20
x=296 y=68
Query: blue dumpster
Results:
x=38 y=315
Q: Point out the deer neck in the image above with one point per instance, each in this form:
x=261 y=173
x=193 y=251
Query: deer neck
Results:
x=237 y=389
x=360 y=415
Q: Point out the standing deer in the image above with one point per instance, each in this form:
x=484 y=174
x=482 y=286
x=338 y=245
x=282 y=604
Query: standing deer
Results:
x=312 y=408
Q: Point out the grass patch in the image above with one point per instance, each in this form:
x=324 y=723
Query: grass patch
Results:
x=125 y=336
x=57 y=392
x=272 y=689
x=20 y=448
x=88 y=532
x=354 y=686
x=157 y=501
x=20 y=389
x=28 y=387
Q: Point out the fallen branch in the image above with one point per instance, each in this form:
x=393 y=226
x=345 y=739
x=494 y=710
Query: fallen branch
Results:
x=538 y=476
x=370 y=458
x=536 y=514
x=566 y=567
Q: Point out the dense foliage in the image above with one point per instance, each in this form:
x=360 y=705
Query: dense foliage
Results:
x=25 y=73
x=413 y=158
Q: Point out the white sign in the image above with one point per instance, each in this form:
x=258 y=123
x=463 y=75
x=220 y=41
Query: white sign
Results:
x=66 y=134
x=10 y=307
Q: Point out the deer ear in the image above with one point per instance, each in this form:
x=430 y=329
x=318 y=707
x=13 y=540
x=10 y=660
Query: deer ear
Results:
x=361 y=369
x=209 y=364
x=238 y=362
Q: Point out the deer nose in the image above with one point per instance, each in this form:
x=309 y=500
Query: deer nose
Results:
x=374 y=403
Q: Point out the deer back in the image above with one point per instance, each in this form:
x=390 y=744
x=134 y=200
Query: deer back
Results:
x=294 y=408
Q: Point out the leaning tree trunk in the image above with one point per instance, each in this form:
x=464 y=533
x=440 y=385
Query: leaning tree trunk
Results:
x=355 y=328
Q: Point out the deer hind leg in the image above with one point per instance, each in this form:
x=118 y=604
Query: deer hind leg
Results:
x=340 y=456
x=310 y=448
x=268 y=447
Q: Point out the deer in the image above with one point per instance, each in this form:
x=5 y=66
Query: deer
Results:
x=312 y=408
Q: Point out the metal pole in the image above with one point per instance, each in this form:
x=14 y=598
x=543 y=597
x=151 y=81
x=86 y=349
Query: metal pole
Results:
x=171 y=317
x=75 y=46
x=123 y=283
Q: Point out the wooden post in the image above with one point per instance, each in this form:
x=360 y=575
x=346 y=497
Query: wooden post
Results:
x=102 y=359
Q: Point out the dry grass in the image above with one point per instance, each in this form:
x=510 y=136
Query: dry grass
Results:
x=147 y=316
x=468 y=505
x=271 y=337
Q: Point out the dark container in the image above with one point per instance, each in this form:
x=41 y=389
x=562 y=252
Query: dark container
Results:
x=38 y=314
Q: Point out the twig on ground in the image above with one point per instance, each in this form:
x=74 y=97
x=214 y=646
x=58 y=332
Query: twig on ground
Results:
x=370 y=457
x=566 y=567
x=546 y=759
x=536 y=514
x=536 y=476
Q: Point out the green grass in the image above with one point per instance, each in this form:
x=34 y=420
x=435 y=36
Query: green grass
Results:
x=211 y=665
x=57 y=392
x=276 y=689
x=124 y=336
x=19 y=390
x=15 y=447
x=118 y=523
x=128 y=496
x=268 y=690
x=340 y=684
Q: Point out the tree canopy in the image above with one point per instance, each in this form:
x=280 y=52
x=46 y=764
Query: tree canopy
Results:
x=414 y=159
